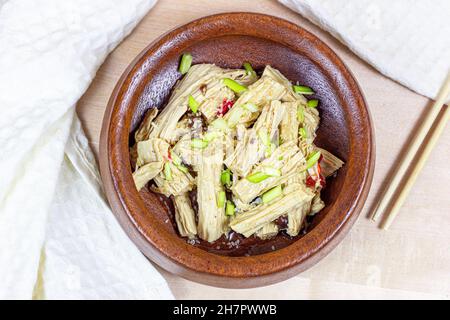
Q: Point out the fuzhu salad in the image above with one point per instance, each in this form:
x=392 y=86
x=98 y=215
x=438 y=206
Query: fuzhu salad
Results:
x=243 y=143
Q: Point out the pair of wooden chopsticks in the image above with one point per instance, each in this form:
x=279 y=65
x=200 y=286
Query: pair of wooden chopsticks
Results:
x=395 y=193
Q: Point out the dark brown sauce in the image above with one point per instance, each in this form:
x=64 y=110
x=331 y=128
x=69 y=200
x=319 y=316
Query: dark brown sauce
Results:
x=282 y=222
x=236 y=245
x=232 y=244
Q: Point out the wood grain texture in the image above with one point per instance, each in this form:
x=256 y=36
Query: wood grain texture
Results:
x=409 y=261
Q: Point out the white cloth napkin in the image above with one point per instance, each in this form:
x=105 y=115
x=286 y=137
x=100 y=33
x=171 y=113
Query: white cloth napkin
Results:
x=58 y=237
x=406 y=40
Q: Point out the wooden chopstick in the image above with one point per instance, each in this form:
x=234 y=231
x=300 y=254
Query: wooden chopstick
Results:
x=411 y=178
x=390 y=191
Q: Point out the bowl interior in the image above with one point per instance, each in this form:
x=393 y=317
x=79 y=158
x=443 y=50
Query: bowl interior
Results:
x=230 y=52
x=228 y=40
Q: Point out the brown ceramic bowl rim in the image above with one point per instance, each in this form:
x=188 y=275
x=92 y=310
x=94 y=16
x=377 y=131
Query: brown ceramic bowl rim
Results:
x=189 y=261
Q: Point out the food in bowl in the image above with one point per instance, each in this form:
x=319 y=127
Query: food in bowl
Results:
x=235 y=152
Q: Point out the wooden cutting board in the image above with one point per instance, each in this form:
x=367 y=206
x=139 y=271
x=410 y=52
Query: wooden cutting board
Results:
x=411 y=260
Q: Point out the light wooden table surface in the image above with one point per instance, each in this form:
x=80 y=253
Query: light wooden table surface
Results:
x=411 y=260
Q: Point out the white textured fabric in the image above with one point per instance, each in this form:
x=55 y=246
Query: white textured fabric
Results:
x=87 y=254
x=49 y=53
x=407 y=40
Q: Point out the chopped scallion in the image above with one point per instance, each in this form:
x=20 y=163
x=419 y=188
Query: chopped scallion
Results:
x=233 y=85
x=199 y=143
x=229 y=211
x=270 y=149
x=312 y=159
x=303 y=133
x=193 y=104
x=221 y=198
x=225 y=178
x=303 y=90
x=175 y=158
x=300 y=114
x=264 y=136
x=313 y=103
x=167 y=171
x=249 y=69
x=185 y=64
x=257 y=177
x=183 y=168
x=272 y=194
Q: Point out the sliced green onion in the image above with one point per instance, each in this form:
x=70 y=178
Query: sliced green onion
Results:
x=220 y=124
x=182 y=168
x=193 y=104
x=229 y=210
x=257 y=177
x=312 y=159
x=273 y=146
x=300 y=114
x=167 y=171
x=225 y=177
x=264 y=136
x=249 y=69
x=210 y=136
x=272 y=194
x=236 y=114
x=221 y=198
x=313 y=103
x=233 y=85
x=303 y=133
x=199 y=143
x=303 y=90
x=250 y=107
x=272 y=171
x=185 y=64
x=175 y=158
x=271 y=149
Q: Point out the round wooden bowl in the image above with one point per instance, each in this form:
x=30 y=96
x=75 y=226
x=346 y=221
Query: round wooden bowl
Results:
x=228 y=40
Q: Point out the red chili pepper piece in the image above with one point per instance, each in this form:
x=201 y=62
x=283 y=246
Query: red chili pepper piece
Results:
x=322 y=181
x=225 y=106
x=169 y=155
x=310 y=182
x=319 y=171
